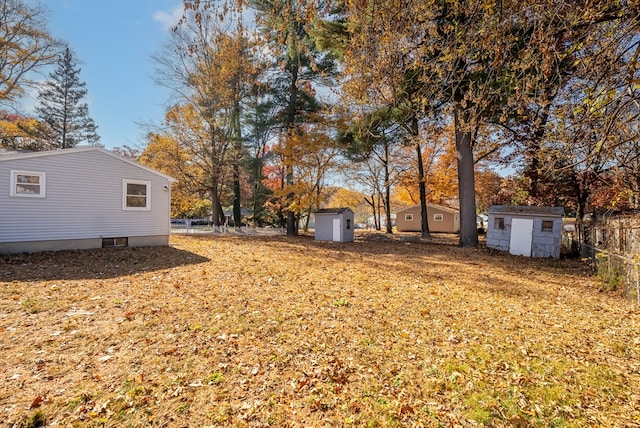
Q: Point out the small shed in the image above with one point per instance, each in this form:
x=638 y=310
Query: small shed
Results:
x=334 y=224
x=439 y=218
x=80 y=198
x=525 y=231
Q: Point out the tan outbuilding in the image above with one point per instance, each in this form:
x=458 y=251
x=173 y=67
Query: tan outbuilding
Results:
x=439 y=218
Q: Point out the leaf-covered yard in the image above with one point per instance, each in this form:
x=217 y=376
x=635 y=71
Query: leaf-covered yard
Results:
x=277 y=331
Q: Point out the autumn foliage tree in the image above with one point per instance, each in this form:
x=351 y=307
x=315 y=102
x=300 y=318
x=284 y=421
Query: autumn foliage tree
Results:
x=21 y=133
x=479 y=62
x=374 y=142
x=295 y=65
x=188 y=195
x=312 y=154
x=25 y=46
x=201 y=64
x=548 y=88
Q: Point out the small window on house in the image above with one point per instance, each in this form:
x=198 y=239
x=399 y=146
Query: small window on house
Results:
x=547 y=226
x=438 y=217
x=408 y=217
x=348 y=223
x=136 y=195
x=114 y=242
x=498 y=223
x=28 y=184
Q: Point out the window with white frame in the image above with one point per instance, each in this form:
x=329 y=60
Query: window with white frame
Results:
x=408 y=217
x=136 y=195
x=28 y=184
x=438 y=217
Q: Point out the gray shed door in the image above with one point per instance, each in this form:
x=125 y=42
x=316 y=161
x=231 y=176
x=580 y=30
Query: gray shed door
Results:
x=521 y=236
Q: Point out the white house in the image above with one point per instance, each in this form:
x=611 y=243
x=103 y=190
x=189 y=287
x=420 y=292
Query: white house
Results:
x=334 y=224
x=80 y=198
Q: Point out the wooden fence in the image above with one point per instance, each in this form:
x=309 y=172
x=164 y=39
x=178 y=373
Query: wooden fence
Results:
x=612 y=242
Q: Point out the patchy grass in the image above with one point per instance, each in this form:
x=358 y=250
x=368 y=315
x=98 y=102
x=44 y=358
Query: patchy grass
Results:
x=289 y=332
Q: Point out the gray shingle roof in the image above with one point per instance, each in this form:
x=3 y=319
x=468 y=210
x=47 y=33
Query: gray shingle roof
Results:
x=526 y=210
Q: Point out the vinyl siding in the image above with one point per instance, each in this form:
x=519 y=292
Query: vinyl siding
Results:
x=83 y=199
x=449 y=224
x=543 y=244
x=324 y=226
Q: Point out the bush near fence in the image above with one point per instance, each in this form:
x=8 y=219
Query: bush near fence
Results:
x=612 y=242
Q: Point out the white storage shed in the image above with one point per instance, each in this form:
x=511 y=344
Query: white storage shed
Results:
x=334 y=224
x=525 y=231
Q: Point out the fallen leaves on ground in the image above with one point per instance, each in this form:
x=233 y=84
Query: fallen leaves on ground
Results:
x=291 y=332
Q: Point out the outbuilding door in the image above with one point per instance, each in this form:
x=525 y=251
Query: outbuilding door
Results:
x=521 y=236
x=336 y=229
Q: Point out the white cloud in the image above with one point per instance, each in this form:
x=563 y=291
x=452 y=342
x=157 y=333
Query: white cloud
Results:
x=168 y=19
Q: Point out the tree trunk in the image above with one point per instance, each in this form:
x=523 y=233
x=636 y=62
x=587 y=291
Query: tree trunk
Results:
x=237 y=137
x=424 y=218
x=582 y=195
x=217 y=214
x=466 y=179
x=379 y=215
x=237 y=209
x=307 y=220
x=532 y=168
x=532 y=157
x=387 y=188
x=292 y=227
x=372 y=204
x=424 y=222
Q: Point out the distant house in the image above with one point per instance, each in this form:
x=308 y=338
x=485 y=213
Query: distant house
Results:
x=334 y=224
x=80 y=198
x=439 y=218
x=525 y=231
x=382 y=220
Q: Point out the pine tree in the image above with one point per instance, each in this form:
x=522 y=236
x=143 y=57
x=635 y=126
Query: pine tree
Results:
x=62 y=111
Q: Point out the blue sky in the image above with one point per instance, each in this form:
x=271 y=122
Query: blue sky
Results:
x=113 y=40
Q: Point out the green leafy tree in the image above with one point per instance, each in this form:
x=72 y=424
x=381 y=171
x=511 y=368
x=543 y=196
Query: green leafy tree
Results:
x=62 y=109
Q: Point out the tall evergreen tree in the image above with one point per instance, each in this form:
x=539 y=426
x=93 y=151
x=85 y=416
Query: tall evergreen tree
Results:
x=62 y=111
x=298 y=66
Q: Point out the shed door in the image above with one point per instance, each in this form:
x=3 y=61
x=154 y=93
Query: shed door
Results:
x=521 y=236
x=336 y=229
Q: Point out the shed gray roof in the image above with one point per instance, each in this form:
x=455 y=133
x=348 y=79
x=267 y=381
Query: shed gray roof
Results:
x=332 y=210
x=526 y=210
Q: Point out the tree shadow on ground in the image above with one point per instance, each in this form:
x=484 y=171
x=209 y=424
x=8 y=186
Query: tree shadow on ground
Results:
x=93 y=264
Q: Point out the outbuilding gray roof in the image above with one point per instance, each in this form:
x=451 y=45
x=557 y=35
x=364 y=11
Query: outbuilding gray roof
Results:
x=332 y=210
x=526 y=210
